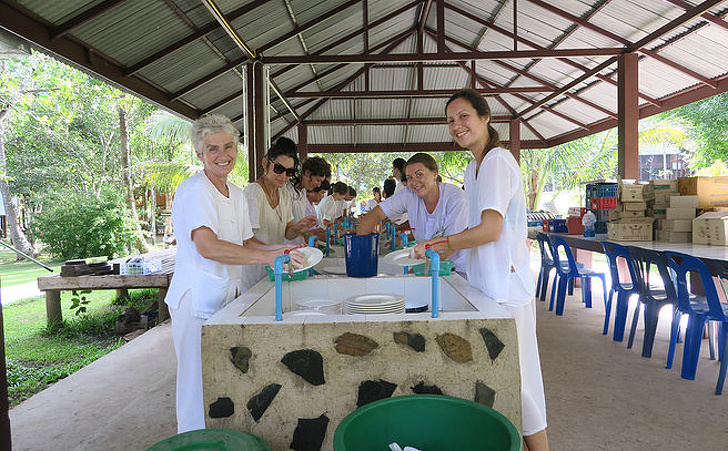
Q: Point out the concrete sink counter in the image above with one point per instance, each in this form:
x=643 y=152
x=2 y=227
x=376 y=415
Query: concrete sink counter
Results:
x=292 y=382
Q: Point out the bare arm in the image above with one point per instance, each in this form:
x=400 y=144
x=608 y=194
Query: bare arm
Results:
x=251 y=253
x=369 y=220
x=489 y=230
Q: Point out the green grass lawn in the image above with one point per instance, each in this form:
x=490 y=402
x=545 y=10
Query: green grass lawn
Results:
x=37 y=358
x=16 y=272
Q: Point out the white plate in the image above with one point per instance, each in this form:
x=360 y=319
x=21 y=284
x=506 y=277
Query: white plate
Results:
x=340 y=270
x=297 y=313
x=313 y=257
x=402 y=257
x=375 y=300
x=318 y=304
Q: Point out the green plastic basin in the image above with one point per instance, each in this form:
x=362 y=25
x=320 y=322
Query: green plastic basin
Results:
x=426 y=422
x=211 y=440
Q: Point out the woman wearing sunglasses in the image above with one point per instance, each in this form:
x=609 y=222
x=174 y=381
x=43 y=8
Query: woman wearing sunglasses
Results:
x=269 y=203
x=434 y=208
x=314 y=171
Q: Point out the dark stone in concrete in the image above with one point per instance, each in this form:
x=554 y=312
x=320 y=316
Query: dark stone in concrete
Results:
x=455 y=347
x=307 y=363
x=370 y=391
x=414 y=341
x=422 y=389
x=484 y=394
x=240 y=356
x=310 y=433
x=258 y=404
x=354 y=344
x=492 y=342
x=222 y=408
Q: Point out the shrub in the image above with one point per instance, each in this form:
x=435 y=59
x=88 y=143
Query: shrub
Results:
x=81 y=226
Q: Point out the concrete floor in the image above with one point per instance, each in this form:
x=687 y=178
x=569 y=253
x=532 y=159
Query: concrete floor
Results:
x=600 y=395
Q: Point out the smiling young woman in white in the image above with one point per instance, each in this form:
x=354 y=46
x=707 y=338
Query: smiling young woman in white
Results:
x=214 y=238
x=496 y=236
x=433 y=207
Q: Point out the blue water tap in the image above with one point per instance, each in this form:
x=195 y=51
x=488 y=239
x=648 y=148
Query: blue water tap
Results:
x=435 y=269
x=328 y=238
x=404 y=245
x=311 y=243
x=278 y=271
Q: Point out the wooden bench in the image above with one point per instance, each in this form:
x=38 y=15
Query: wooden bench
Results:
x=52 y=285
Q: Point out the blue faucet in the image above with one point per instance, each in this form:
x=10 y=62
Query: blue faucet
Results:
x=278 y=271
x=328 y=238
x=311 y=243
x=435 y=268
x=404 y=245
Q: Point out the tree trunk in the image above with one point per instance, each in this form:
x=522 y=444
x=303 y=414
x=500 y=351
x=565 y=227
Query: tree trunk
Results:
x=126 y=178
x=17 y=237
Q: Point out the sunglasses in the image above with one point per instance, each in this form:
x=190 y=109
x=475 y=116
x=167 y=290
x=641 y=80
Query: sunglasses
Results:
x=280 y=169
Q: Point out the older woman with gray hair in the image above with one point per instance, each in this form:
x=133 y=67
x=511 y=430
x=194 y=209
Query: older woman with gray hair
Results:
x=214 y=239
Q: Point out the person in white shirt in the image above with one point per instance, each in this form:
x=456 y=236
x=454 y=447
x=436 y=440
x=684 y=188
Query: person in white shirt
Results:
x=434 y=208
x=398 y=173
x=270 y=203
x=214 y=238
x=377 y=193
x=314 y=170
x=498 y=264
x=332 y=206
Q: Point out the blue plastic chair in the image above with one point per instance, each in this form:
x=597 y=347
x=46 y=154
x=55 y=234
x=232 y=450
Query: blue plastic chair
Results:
x=652 y=296
x=701 y=309
x=624 y=290
x=567 y=271
x=547 y=265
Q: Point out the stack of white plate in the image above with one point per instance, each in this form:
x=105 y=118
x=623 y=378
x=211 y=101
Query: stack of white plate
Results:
x=326 y=306
x=375 y=303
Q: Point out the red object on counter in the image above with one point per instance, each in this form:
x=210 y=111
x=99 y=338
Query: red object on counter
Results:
x=574 y=225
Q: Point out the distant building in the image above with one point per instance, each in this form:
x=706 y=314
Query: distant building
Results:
x=662 y=161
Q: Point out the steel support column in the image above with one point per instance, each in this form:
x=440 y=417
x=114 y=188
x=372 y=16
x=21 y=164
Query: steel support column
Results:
x=628 y=119
x=515 y=138
x=261 y=146
x=250 y=119
x=302 y=141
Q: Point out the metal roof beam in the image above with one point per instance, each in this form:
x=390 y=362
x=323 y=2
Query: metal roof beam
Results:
x=351 y=36
x=430 y=94
x=307 y=25
x=689 y=15
x=454 y=56
x=679 y=67
x=200 y=33
x=76 y=21
x=399 y=147
x=24 y=24
x=440 y=120
x=713 y=19
x=580 y=21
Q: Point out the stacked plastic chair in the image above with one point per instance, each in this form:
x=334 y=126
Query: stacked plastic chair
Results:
x=567 y=271
x=547 y=264
x=700 y=309
x=653 y=296
x=624 y=290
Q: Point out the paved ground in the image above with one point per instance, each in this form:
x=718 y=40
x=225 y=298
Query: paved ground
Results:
x=600 y=395
x=17 y=292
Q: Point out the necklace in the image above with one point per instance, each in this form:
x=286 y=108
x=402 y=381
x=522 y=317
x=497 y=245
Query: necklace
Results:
x=273 y=198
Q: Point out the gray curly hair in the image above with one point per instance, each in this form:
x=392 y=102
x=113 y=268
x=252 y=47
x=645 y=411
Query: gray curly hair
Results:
x=212 y=123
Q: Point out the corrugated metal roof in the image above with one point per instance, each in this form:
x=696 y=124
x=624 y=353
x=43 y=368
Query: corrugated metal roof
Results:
x=156 y=49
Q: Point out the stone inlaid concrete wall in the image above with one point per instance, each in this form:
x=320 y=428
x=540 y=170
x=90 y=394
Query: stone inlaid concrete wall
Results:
x=293 y=383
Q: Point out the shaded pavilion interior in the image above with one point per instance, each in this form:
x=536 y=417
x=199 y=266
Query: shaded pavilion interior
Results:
x=373 y=75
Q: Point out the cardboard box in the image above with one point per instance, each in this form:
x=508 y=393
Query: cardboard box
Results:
x=663 y=198
x=677 y=225
x=635 y=193
x=711 y=191
x=680 y=213
x=638 y=229
x=711 y=228
x=670 y=185
x=674 y=237
x=634 y=206
x=658 y=213
x=574 y=225
x=684 y=202
x=577 y=211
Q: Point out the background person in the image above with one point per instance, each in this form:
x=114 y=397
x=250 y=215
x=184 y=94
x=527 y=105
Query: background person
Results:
x=332 y=207
x=377 y=193
x=498 y=260
x=314 y=171
x=214 y=237
x=269 y=203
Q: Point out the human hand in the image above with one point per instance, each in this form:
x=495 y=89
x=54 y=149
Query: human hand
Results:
x=306 y=223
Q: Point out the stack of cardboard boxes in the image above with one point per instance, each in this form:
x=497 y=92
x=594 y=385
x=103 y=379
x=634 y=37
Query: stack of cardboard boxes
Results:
x=711 y=227
x=677 y=227
x=629 y=222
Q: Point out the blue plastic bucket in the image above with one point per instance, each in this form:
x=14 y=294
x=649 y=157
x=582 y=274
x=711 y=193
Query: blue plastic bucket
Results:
x=362 y=254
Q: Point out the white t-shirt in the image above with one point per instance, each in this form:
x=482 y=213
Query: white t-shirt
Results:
x=371 y=204
x=330 y=209
x=500 y=268
x=269 y=224
x=449 y=217
x=197 y=203
x=399 y=219
x=299 y=208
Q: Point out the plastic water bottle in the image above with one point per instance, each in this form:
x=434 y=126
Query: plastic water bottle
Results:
x=588 y=222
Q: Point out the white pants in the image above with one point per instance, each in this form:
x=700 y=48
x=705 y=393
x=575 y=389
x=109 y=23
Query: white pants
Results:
x=187 y=337
x=533 y=399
